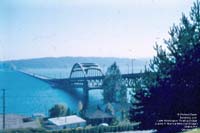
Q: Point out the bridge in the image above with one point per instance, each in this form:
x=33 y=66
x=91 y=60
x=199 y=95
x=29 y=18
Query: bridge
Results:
x=87 y=76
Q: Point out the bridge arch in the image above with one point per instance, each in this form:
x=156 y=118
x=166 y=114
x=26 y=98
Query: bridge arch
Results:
x=85 y=70
x=81 y=76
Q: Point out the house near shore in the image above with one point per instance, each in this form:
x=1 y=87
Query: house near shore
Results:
x=72 y=121
x=99 y=117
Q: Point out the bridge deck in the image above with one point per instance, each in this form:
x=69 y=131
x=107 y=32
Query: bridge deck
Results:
x=42 y=77
x=95 y=82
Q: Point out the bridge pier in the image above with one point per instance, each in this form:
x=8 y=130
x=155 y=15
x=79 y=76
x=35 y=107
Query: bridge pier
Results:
x=86 y=98
x=86 y=94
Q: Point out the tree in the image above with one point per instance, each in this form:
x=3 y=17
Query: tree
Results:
x=59 y=110
x=109 y=109
x=172 y=80
x=113 y=89
x=81 y=110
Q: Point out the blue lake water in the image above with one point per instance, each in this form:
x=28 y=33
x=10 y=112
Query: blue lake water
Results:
x=27 y=95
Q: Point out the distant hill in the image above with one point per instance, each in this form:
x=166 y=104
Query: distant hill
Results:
x=63 y=62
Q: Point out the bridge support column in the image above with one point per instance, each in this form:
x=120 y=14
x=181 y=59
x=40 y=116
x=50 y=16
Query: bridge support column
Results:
x=86 y=98
x=86 y=95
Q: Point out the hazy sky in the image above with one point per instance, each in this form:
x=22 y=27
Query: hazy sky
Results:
x=116 y=28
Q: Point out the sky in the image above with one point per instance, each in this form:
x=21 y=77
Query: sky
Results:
x=100 y=28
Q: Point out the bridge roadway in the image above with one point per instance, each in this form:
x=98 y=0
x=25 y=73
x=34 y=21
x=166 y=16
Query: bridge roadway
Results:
x=127 y=79
x=93 y=82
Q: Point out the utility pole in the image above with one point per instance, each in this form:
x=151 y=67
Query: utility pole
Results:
x=3 y=99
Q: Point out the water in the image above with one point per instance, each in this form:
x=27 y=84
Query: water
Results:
x=26 y=95
x=51 y=73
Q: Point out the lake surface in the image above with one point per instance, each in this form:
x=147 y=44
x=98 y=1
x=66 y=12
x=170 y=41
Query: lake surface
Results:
x=27 y=95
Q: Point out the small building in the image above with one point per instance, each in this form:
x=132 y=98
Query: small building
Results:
x=98 y=117
x=72 y=121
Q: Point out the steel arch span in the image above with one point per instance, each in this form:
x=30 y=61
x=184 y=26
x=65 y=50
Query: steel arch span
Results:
x=86 y=70
x=83 y=76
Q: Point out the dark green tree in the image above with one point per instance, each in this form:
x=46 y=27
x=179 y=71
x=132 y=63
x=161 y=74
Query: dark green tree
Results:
x=59 y=110
x=172 y=80
x=113 y=89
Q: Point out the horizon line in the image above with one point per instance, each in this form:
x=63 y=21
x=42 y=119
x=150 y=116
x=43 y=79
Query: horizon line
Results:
x=43 y=57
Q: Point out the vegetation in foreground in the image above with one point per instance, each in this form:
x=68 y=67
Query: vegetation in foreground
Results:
x=59 y=110
x=94 y=129
x=193 y=131
x=113 y=89
x=172 y=80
